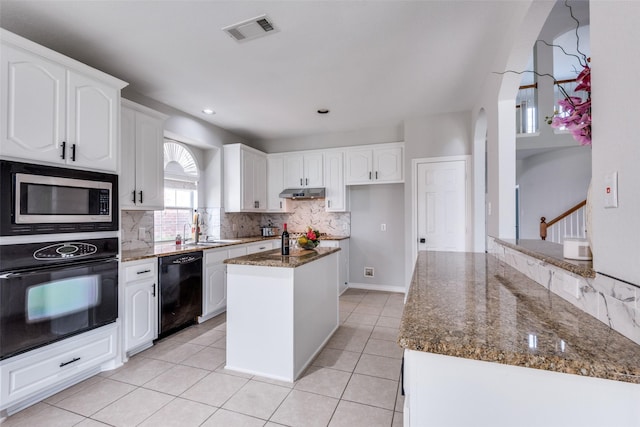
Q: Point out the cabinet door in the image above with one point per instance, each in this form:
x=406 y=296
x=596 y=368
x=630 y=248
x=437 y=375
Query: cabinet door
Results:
x=92 y=115
x=215 y=291
x=141 y=307
x=294 y=171
x=32 y=106
x=275 y=184
x=127 y=178
x=313 y=171
x=359 y=166
x=335 y=200
x=247 y=180
x=149 y=162
x=388 y=164
x=260 y=182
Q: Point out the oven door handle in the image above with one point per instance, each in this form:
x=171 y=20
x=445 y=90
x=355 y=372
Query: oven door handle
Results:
x=24 y=273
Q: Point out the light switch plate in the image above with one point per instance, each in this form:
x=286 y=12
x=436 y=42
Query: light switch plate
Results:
x=611 y=190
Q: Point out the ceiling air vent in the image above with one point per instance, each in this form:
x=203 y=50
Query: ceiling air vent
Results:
x=250 y=29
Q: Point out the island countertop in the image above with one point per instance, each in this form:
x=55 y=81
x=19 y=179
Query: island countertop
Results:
x=471 y=305
x=273 y=258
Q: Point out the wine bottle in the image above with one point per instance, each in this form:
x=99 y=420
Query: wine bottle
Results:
x=284 y=247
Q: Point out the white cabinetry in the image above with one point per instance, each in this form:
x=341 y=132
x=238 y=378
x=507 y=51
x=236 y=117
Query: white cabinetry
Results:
x=140 y=304
x=375 y=164
x=56 y=110
x=214 y=295
x=335 y=190
x=253 y=248
x=303 y=170
x=245 y=179
x=32 y=376
x=275 y=183
x=141 y=164
x=343 y=261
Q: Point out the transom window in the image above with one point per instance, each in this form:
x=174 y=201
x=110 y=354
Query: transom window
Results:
x=181 y=177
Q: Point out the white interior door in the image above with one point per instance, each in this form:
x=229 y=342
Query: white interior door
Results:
x=441 y=206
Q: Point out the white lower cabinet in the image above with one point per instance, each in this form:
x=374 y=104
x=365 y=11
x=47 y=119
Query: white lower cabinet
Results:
x=140 y=304
x=214 y=292
x=343 y=261
x=30 y=377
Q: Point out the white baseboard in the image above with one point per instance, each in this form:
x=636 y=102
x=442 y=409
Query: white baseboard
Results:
x=369 y=287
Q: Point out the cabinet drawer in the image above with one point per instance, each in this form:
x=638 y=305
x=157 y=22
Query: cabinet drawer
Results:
x=259 y=247
x=215 y=257
x=139 y=271
x=33 y=372
x=236 y=252
x=329 y=244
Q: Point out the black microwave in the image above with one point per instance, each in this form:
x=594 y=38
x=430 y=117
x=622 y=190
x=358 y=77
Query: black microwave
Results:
x=39 y=199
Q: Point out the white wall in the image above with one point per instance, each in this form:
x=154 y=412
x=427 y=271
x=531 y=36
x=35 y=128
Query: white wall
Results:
x=371 y=206
x=616 y=146
x=550 y=183
x=429 y=136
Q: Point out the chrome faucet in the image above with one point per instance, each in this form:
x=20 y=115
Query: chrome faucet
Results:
x=185 y=239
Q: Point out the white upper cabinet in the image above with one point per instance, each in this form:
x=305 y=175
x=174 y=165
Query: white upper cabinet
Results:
x=335 y=190
x=56 y=110
x=245 y=179
x=275 y=183
x=303 y=170
x=375 y=164
x=141 y=164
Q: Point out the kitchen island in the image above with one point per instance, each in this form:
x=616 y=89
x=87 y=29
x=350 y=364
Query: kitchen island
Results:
x=485 y=345
x=281 y=310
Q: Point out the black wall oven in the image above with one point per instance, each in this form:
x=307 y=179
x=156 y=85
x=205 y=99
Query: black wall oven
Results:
x=38 y=199
x=51 y=291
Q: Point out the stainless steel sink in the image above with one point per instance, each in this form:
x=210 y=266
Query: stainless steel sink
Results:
x=223 y=241
x=211 y=243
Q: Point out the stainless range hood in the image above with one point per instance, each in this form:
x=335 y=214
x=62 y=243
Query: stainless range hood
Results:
x=303 y=193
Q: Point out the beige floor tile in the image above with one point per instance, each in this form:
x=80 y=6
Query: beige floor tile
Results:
x=73 y=390
x=221 y=343
x=176 y=380
x=88 y=422
x=209 y=358
x=42 y=415
x=344 y=315
x=355 y=299
x=305 y=410
x=372 y=391
x=209 y=337
x=257 y=399
x=224 y=370
x=272 y=381
x=378 y=366
x=383 y=348
x=363 y=308
x=347 y=305
x=341 y=360
x=180 y=352
x=224 y=418
x=324 y=381
x=399 y=398
x=397 y=419
x=392 y=311
x=387 y=334
x=214 y=389
x=375 y=299
x=132 y=409
x=180 y=413
x=189 y=334
x=362 y=319
x=95 y=397
x=140 y=370
x=351 y=414
x=388 y=322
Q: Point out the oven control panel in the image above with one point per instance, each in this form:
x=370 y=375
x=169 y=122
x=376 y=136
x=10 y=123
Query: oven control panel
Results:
x=65 y=250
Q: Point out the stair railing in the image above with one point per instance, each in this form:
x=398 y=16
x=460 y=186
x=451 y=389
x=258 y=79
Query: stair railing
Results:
x=571 y=223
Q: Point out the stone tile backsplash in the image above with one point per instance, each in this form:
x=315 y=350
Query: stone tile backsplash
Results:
x=222 y=225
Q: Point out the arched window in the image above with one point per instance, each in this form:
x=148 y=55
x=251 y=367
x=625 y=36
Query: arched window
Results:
x=181 y=176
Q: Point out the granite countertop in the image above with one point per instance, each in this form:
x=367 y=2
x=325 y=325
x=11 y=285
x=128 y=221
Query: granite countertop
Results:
x=551 y=253
x=473 y=306
x=273 y=258
x=164 y=249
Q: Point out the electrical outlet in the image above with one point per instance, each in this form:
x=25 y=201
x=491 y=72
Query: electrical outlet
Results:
x=141 y=233
x=368 y=272
x=383 y=227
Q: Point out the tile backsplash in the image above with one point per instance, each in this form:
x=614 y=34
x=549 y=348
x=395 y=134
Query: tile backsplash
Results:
x=222 y=225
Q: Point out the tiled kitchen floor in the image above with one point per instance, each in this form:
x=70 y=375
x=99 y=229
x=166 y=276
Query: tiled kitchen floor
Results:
x=181 y=381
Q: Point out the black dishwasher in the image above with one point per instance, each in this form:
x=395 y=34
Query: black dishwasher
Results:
x=180 y=284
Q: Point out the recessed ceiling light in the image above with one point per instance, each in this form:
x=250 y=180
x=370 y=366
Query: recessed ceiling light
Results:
x=208 y=111
x=323 y=111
